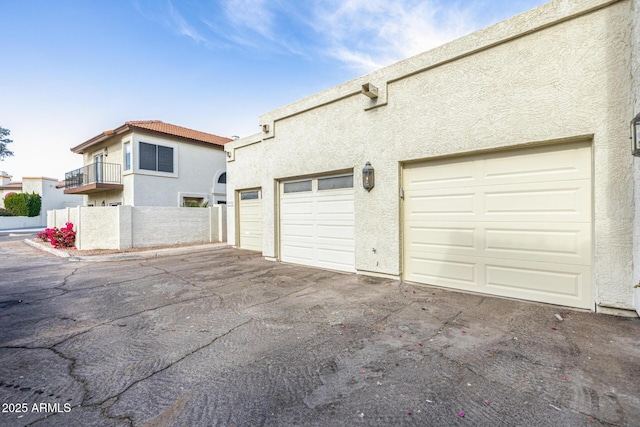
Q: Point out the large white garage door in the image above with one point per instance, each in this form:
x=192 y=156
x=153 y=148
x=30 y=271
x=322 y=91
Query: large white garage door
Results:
x=250 y=220
x=317 y=222
x=515 y=223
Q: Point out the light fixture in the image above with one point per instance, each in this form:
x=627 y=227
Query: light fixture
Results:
x=635 y=135
x=368 y=178
x=106 y=152
x=369 y=90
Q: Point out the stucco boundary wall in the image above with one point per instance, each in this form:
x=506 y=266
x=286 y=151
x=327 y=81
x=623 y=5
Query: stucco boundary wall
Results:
x=13 y=222
x=125 y=227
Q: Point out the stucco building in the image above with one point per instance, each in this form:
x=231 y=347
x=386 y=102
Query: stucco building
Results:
x=150 y=163
x=51 y=193
x=502 y=165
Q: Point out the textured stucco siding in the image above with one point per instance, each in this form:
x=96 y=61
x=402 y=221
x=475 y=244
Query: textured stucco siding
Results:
x=123 y=227
x=98 y=228
x=114 y=156
x=195 y=168
x=635 y=73
x=51 y=198
x=557 y=73
x=152 y=227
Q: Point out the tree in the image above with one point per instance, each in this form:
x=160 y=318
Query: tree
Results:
x=4 y=141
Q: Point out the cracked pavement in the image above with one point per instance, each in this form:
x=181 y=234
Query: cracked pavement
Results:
x=224 y=338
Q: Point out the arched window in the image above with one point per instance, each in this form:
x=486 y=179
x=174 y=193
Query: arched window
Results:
x=222 y=179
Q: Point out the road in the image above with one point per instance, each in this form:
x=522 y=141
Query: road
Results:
x=18 y=235
x=224 y=338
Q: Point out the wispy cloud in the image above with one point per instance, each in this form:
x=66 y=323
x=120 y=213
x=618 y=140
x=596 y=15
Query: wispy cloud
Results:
x=182 y=26
x=368 y=34
x=361 y=34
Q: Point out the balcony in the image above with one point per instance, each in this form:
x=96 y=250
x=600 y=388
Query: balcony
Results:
x=93 y=178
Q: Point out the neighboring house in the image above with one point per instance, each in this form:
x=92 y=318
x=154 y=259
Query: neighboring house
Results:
x=502 y=165
x=7 y=187
x=50 y=190
x=150 y=163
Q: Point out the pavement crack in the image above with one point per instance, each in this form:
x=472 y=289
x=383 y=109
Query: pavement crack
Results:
x=114 y=320
x=171 y=364
x=446 y=323
x=279 y=297
x=168 y=273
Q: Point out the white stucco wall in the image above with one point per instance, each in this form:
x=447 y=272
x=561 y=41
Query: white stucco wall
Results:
x=152 y=228
x=195 y=168
x=113 y=147
x=51 y=198
x=123 y=227
x=557 y=73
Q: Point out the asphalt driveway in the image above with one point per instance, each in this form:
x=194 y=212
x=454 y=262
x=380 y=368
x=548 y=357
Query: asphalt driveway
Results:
x=224 y=338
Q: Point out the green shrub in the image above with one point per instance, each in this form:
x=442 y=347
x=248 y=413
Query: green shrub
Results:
x=23 y=204
x=4 y=212
x=34 y=204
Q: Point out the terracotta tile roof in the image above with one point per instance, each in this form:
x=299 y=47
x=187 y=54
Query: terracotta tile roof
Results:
x=155 y=126
x=169 y=129
x=11 y=186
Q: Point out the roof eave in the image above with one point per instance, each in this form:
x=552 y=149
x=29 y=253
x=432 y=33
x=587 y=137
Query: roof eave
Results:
x=79 y=149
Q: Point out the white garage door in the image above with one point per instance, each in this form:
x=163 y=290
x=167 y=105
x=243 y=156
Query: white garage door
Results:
x=515 y=223
x=250 y=219
x=317 y=222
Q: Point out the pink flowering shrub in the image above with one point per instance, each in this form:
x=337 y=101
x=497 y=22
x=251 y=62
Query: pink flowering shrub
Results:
x=63 y=237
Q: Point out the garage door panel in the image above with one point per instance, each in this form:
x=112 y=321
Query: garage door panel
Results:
x=336 y=232
x=297 y=231
x=297 y=253
x=338 y=259
x=536 y=165
x=568 y=200
x=299 y=208
x=505 y=202
x=442 y=203
x=535 y=279
x=550 y=242
x=250 y=219
x=317 y=226
x=443 y=270
x=432 y=238
x=556 y=243
x=521 y=227
x=443 y=173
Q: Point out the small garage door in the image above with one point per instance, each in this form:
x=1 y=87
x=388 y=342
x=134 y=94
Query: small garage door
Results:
x=250 y=219
x=317 y=222
x=515 y=223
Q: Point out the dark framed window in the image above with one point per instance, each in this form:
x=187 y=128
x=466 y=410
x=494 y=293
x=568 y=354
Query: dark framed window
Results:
x=222 y=179
x=156 y=157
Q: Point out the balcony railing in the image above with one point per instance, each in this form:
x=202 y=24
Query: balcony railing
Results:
x=94 y=173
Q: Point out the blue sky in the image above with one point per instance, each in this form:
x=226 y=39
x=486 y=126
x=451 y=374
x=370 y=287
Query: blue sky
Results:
x=71 y=68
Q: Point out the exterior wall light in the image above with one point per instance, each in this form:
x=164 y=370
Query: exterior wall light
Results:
x=368 y=178
x=369 y=90
x=635 y=135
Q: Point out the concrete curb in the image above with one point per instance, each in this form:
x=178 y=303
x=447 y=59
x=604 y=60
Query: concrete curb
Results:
x=157 y=253
x=51 y=250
